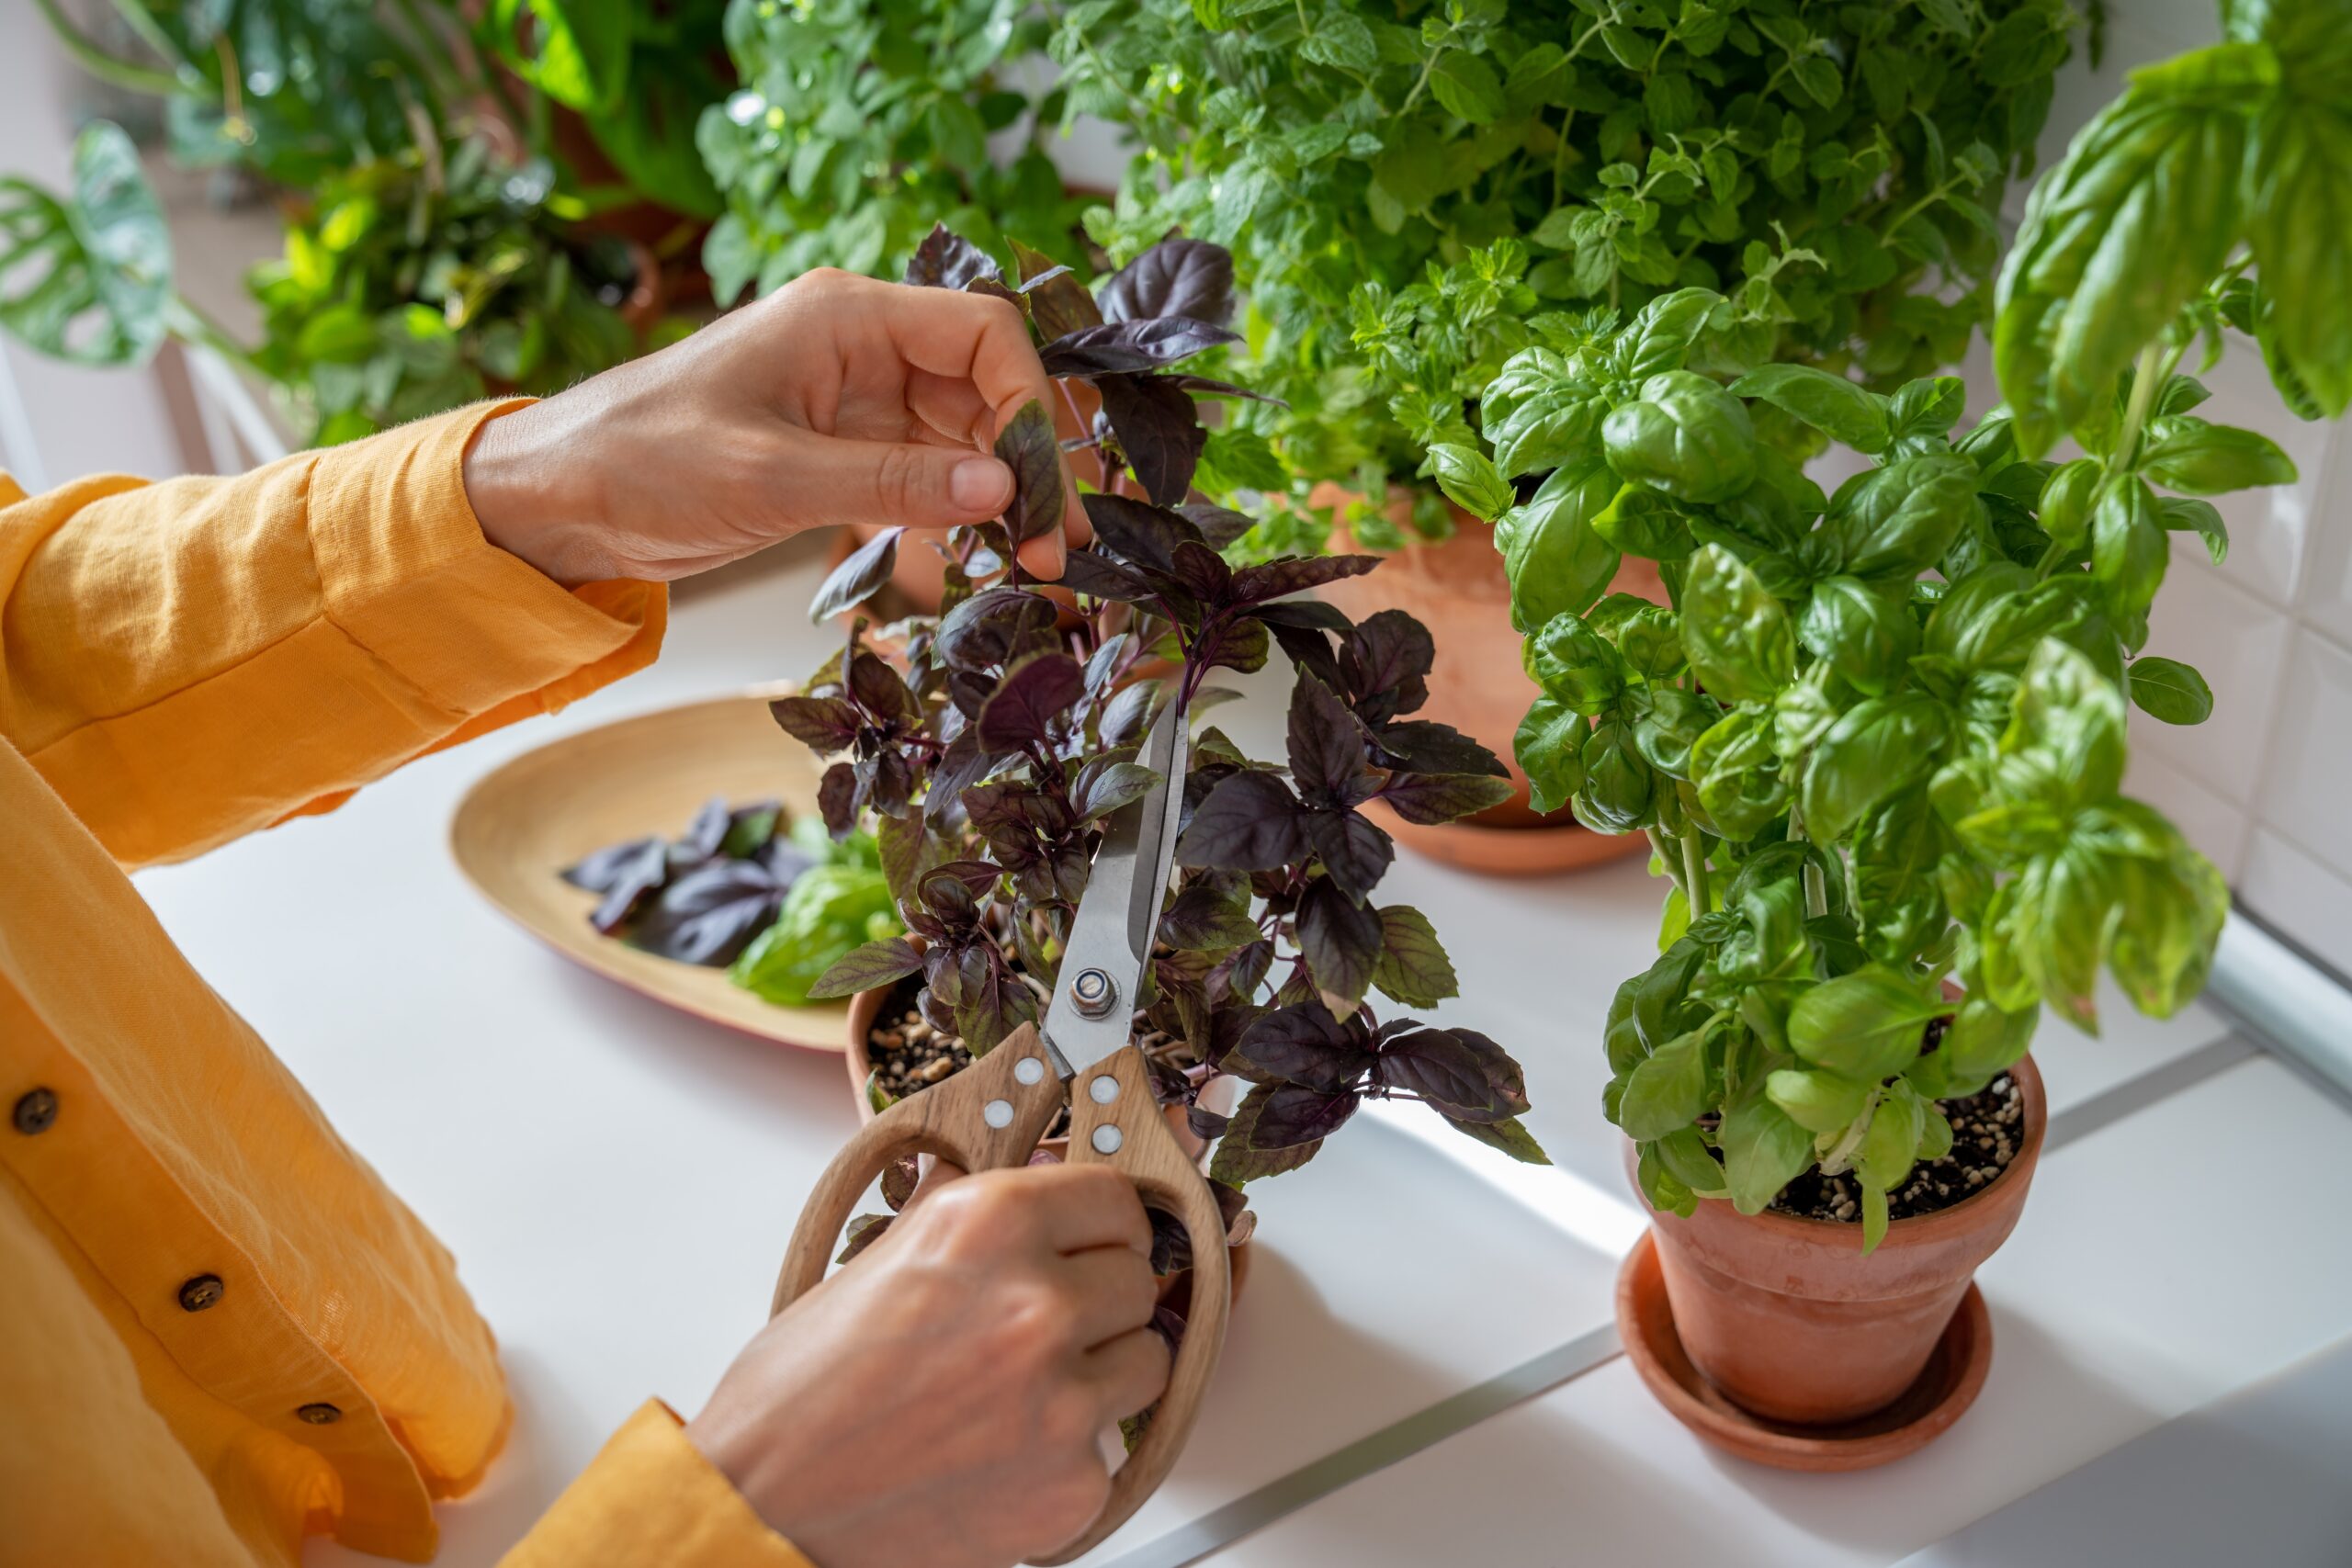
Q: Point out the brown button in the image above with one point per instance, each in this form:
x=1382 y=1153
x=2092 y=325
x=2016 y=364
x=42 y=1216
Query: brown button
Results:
x=36 y=1109
x=320 y=1414
x=202 y=1292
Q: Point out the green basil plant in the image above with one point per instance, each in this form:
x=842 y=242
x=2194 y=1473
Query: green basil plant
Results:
x=1403 y=184
x=858 y=126
x=1876 y=738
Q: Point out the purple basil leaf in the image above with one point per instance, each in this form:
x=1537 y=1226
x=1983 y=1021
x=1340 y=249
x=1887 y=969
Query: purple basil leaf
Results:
x=1119 y=347
x=862 y=1233
x=1176 y=278
x=864 y=968
x=706 y=832
x=837 y=799
x=1302 y=1044
x=1355 y=853
x=1507 y=1134
x=1422 y=746
x=710 y=914
x=1385 y=661
x=1058 y=303
x=1310 y=651
x=961 y=766
x=785 y=860
x=1239 y=1158
x=1245 y=970
x=899 y=1179
x=1327 y=746
x=1028 y=447
x=1466 y=1076
x=947 y=260
x=1159 y=430
x=1306 y=614
x=1236 y=642
x=602 y=871
x=853 y=581
x=1219 y=526
x=1033 y=696
x=995 y=289
x=1341 y=938
x=629 y=884
x=825 y=725
x=1249 y=821
x=1139 y=532
x=1293 y=1114
x=1278 y=578
x=881 y=690
x=1206 y=1125
x=1206 y=920
x=993 y=627
x=1098 y=576
x=1202 y=573
x=1125 y=715
x=1172 y=1245
x=1433 y=798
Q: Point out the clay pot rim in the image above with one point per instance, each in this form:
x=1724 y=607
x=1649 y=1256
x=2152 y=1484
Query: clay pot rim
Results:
x=1920 y=1228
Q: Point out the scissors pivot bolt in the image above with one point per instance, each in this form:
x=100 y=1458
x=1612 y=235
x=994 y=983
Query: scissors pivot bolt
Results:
x=1093 y=993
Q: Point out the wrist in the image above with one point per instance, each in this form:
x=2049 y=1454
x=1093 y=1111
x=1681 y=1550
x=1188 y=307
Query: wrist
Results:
x=524 y=480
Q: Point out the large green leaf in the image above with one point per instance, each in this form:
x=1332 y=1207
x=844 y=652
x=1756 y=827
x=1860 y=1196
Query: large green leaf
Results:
x=1554 y=560
x=89 y=280
x=1735 y=631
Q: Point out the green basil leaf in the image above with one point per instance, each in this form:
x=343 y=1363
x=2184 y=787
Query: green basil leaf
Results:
x=1899 y=903
x=2129 y=547
x=1663 y=332
x=1891 y=1144
x=2180 y=514
x=1576 y=665
x=1875 y=750
x=1668 y=1090
x=1764 y=1150
x=1554 y=426
x=1646 y=523
x=1685 y=436
x=2067 y=498
x=1469 y=479
x=1737 y=773
x=1894 y=523
x=2213 y=459
x=2169 y=906
x=2300 y=169
x=1554 y=560
x=1983 y=1043
x=1667 y=1193
x=1685 y=1154
x=1667 y=721
x=2068 y=721
x=1843 y=409
x=1867 y=636
x=1619 y=789
x=1735 y=631
x=1818 y=1102
x=2171 y=691
x=1992 y=617
x=1865 y=1025
x=1550 y=748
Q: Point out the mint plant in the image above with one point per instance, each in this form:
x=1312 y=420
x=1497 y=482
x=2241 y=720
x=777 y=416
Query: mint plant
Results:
x=1877 y=740
x=1831 y=169
x=986 y=754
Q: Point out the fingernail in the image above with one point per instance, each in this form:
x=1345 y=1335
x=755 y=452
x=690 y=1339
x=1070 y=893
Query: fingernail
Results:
x=980 y=484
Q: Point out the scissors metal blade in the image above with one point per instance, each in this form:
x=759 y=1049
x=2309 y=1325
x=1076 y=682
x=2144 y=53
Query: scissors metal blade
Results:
x=1110 y=936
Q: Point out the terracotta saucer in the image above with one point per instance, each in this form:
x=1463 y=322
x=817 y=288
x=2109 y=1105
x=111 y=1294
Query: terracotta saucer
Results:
x=1508 y=851
x=1954 y=1376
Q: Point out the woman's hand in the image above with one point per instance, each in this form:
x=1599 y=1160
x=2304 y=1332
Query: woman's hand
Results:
x=838 y=398
x=938 y=1401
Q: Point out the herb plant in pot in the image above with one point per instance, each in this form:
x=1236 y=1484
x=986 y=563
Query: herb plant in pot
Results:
x=1404 y=187
x=1876 y=742
x=987 y=756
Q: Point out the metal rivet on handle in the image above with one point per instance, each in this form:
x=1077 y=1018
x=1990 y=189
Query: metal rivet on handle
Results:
x=1107 y=1139
x=1104 y=1088
x=997 y=1113
x=1029 y=1069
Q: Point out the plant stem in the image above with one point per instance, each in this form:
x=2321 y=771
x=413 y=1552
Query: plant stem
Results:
x=1816 y=893
x=1694 y=872
x=124 y=73
x=2147 y=377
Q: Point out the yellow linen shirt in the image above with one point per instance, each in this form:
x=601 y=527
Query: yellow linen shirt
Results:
x=219 y=1331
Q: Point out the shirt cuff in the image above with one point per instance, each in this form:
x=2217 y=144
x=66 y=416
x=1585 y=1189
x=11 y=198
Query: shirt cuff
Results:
x=650 y=1496
x=407 y=575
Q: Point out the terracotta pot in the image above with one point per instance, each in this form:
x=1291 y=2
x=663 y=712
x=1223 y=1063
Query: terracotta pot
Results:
x=921 y=576
x=1176 y=1290
x=1456 y=588
x=1791 y=1321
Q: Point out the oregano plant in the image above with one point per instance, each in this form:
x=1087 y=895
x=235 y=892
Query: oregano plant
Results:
x=986 y=745
x=1876 y=738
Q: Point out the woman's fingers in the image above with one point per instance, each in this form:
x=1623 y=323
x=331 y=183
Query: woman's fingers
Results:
x=832 y=479
x=1114 y=1289
x=1128 y=1373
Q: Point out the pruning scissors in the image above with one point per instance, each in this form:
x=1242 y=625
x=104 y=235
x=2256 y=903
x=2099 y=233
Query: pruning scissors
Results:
x=990 y=1114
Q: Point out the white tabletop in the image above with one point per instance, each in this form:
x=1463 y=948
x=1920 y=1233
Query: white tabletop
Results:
x=617 y=1182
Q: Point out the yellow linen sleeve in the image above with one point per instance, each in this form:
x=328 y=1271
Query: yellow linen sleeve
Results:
x=189 y=660
x=650 y=1496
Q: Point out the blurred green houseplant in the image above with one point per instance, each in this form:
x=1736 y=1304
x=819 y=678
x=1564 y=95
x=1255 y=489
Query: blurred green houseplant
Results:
x=860 y=124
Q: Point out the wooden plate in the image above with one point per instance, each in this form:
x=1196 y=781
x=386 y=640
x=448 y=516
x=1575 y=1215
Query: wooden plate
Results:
x=521 y=825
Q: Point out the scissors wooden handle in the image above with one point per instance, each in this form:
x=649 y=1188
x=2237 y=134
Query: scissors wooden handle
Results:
x=987 y=1117
x=1149 y=1155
